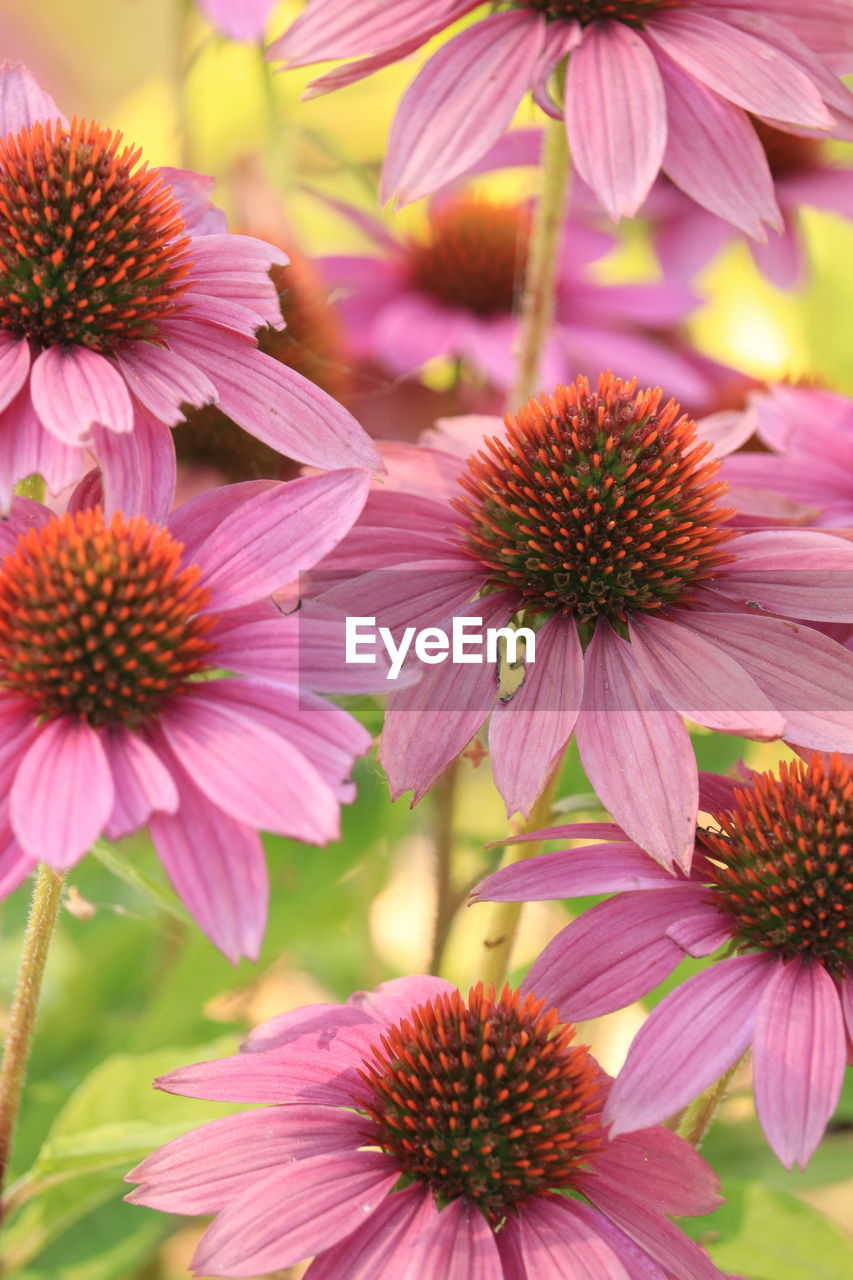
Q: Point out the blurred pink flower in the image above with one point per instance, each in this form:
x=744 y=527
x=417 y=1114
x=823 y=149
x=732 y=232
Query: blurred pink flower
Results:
x=598 y=514
x=122 y=300
x=650 y=85
x=810 y=433
x=455 y=292
x=238 y=19
x=115 y=639
x=486 y=1111
x=773 y=883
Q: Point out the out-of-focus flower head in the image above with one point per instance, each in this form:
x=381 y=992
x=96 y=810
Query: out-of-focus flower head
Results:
x=597 y=515
x=414 y=1132
x=772 y=882
x=238 y=19
x=122 y=300
x=146 y=677
x=650 y=85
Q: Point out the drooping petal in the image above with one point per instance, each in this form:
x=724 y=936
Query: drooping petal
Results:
x=396 y=1239
x=556 y=1243
x=162 y=380
x=141 y=782
x=571 y=873
x=294 y=1212
x=638 y=1264
x=74 y=389
x=327 y=30
x=655 y=1235
x=798 y=1058
x=63 y=793
x=23 y=102
x=27 y=448
x=663 y=1169
x=460 y=103
x=704 y=1025
x=528 y=734
x=14 y=366
x=616 y=115
x=393 y=1000
x=800 y=573
x=632 y=745
x=139 y=469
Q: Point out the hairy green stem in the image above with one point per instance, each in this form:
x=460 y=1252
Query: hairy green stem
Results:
x=537 y=307
x=22 y=1014
x=697 y=1119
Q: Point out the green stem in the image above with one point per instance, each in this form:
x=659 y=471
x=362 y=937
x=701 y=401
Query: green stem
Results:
x=501 y=925
x=537 y=307
x=696 y=1121
x=22 y=1015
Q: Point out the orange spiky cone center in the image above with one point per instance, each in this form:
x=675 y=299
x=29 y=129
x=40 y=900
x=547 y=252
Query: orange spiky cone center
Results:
x=473 y=255
x=632 y=12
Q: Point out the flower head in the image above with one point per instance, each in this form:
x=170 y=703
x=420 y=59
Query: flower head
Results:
x=414 y=1124
x=773 y=884
x=145 y=677
x=123 y=300
x=649 y=85
x=597 y=515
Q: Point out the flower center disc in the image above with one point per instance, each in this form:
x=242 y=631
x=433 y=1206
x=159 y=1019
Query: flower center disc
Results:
x=93 y=249
x=632 y=12
x=596 y=502
x=786 y=862
x=473 y=257
x=487 y=1100
x=99 y=621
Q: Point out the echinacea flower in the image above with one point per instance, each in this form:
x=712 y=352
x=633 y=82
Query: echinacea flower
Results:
x=418 y=1135
x=145 y=677
x=598 y=514
x=454 y=291
x=686 y=236
x=773 y=884
x=809 y=432
x=650 y=85
x=122 y=300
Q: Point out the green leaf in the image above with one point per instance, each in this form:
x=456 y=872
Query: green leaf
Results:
x=126 y=869
x=771 y=1235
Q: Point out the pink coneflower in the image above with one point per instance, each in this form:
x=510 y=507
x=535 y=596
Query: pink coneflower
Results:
x=238 y=19
x=687 y=237
x=650 y=85
x=773 y=883
x=120 y=303
x=810 y=433
x=482 y=1109
x=599 y=515
x=454 y=291
x=118 y=640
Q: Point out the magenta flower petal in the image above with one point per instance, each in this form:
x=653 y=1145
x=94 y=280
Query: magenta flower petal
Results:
x=201 y=1171
x=612 y=955
x=141 y=781
x=396 y=1238
x=701 y=680
x=329 y=30
x=571 y=873
x=747 y=71
x=23 y=102
x=656 y=1235
x=700 y=929
x=704 y=1025
x=549 y=1231
x=616 y=115
x=626 y=730
x=635 y=1260
x=75 y=389
x=162 y=380
x=15 y=866
x=798 y=1058
x=26 y=448
x=673 y=1178
x=461 y=1247
x=847 y=1004
x=138 y=468
x=14 y=366
x=295 y=1212
x=460 y=104
x=63 y=793
x=528 y=734
x=244 y=20
x=801 y=573
x=395 y=999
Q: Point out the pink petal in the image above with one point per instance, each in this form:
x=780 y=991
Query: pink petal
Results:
x=141 y=782
x=202 y=1171
x=460 y=1246
x=798 y=573
x=655 y=1235
x=395 y=1240
x=611 y=955
x=326 y=30
x=138 y=470
x=286 y=1028
x=528 y=734
x=635 y=1260
x=396 y=999
x=195 y=521
x=714 y=156
x=23 y=102
x=278 y=534
x=671 y=1177
x=26 y=448
x=695 y=1034
x=460 y=103
x=743 y=69
x=572 y=873
x=162 y=380
x=798 y=1058
x=15 y=866
x=63 y=793
x=14 y=366
x=557 y=1243
x=245 y=768
x=637 y=753
x=728 y=430
x=243 y=21
x=192 y=192
x=234 y=269
x=700 y=680
x=295 y=1212
x=421 y=594
x=701 y=929
x=616 y=115
x=75 y=389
